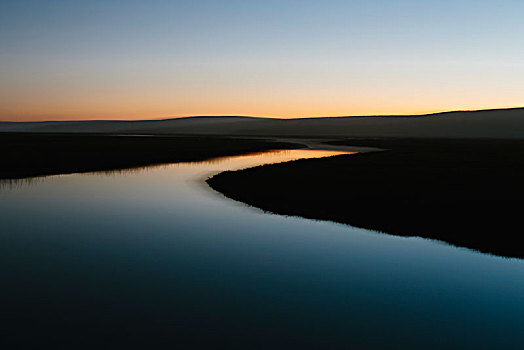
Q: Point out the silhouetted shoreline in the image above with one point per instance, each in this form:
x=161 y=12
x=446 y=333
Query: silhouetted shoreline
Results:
x=32 y=154
x=462 y=191
x=465 y=192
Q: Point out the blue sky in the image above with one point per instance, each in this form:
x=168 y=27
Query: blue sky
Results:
x=149 y=59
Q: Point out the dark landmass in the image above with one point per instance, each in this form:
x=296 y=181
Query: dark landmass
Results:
x=465 y=192
x=27 y=155
x=493 y=123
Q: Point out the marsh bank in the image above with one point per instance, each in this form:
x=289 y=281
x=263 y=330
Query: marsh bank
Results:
x=467 y=192
x=37 y=154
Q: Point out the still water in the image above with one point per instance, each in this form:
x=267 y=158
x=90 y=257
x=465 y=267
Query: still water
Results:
x=154 y=257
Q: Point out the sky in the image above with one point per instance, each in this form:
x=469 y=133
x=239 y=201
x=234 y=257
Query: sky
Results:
x=67 y=60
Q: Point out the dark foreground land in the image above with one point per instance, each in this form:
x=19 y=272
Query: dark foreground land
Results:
x=465 y=192
x=26 y=155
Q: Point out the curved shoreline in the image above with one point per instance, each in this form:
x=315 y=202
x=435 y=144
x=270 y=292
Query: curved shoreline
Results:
x=463 y=193
x=32 y=155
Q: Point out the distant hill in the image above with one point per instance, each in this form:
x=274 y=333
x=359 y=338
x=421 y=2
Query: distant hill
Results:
x=494 y=123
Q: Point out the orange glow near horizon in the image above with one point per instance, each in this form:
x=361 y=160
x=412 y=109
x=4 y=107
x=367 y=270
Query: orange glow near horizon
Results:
x=281 y=90
x=142 y=109
x=105 y=60
x=297 y=95
x=157 y=90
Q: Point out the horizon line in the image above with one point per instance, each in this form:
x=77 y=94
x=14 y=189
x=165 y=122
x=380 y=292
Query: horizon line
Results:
x=266 y=117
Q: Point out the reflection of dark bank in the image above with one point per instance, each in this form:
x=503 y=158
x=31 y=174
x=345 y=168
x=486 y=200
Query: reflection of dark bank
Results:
x=465 y=192
x=25 y=155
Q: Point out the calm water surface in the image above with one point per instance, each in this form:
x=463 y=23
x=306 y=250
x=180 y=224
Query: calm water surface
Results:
x=154 y=257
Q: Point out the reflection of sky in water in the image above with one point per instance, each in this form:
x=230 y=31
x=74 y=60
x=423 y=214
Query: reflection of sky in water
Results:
x=158 y=240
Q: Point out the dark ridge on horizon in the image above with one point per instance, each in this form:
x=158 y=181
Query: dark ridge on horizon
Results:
x=492 y=123
x=131 y=120
x=473 y=111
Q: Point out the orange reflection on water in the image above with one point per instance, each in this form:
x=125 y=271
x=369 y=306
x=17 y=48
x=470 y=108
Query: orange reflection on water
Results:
x=200 y=170
x=276 y=156
x=196 y=170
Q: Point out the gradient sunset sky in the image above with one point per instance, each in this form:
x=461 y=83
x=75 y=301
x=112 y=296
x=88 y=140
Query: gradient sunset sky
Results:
x=155 y=59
